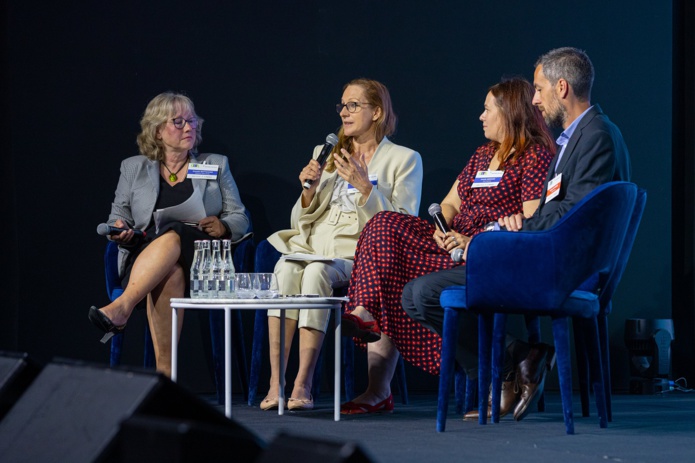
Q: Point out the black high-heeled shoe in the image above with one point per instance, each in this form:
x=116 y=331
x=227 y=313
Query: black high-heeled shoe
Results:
x=104 y=323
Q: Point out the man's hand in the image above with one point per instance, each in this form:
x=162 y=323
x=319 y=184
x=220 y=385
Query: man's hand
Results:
x=513 y=222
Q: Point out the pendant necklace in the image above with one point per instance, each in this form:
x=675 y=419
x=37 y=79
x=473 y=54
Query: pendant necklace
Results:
x=172 y=175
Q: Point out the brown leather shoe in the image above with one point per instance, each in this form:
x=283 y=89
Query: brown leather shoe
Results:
x=510 y=396
x=530 y=375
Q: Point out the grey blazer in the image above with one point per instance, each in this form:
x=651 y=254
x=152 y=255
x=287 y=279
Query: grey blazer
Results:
x=138 y=189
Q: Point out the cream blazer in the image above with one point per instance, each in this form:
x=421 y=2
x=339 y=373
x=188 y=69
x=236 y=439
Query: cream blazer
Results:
x=399 y=187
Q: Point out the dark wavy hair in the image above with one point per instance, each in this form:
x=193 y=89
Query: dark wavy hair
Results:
x=523 y=122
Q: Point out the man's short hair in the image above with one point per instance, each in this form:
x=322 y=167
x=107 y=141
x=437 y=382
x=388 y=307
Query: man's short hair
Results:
x=570 y=64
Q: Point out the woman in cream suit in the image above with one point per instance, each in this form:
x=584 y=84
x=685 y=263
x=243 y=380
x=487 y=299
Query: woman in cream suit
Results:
x=365 y=174
x=157 y=266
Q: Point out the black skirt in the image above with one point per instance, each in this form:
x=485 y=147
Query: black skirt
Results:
x=187 y=233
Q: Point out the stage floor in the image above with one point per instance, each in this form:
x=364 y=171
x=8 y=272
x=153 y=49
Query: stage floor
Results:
x=645 y=428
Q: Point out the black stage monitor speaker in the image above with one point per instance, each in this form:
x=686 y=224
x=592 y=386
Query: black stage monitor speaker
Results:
x=287 y=448
x=17 y=371
x=73 y=413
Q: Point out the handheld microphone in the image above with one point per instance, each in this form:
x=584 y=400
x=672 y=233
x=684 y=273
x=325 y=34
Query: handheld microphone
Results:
x=331 y=141
x=435 y=211
x=105 y=229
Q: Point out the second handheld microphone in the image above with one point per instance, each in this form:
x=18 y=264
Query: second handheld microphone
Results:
x=331 y=141
x=106 y=229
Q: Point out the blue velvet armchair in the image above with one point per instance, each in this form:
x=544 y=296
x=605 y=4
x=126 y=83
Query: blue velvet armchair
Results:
x=544 y=273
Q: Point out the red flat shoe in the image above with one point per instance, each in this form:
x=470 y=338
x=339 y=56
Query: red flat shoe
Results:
x=355 y=327
x=353 y=408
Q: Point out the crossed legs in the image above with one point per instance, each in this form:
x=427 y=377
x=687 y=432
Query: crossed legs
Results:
x=157 y=276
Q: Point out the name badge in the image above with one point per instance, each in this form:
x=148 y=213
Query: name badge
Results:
x=205 y=171
x=372 y=179
x=487 y=178
x=553 y=188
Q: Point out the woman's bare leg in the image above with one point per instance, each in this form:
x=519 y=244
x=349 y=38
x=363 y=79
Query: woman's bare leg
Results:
x=363 y=313
x=310 y=342
x=382 y=357
x=149 y=269
x=159 y=316
x=274 y=345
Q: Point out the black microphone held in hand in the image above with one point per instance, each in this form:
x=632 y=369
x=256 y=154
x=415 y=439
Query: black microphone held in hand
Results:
x=331 y=141
x=435 y=211
x=105 y=229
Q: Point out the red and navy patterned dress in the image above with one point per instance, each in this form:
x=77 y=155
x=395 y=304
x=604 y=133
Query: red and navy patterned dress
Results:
x=395 y=248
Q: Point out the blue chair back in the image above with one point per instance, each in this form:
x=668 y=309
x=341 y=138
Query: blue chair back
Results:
x=542 y=268
x=609 y=287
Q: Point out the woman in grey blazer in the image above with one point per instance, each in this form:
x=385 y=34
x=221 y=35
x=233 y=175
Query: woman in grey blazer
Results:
x=365 y=174
x=168 y=172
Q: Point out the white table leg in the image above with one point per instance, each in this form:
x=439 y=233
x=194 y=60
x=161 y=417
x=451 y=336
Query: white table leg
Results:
x=281 y=392
x=337 y=363
x=174 y=343
x=228 y=362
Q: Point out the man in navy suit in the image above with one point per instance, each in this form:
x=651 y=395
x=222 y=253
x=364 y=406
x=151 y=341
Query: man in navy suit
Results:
x=591 y=152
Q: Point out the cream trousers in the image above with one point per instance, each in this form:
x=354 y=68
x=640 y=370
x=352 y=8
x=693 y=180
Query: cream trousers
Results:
x=295 y=277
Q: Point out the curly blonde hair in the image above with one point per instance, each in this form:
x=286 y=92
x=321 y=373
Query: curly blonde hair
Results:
x=159 y=110
x=376 y=95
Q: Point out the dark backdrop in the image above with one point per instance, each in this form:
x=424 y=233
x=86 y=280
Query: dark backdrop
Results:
x=266 y=76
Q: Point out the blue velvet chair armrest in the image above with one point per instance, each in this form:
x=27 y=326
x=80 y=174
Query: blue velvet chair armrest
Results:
x=530 y=252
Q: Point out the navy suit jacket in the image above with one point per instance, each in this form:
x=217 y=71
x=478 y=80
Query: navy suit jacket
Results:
x=595 y=154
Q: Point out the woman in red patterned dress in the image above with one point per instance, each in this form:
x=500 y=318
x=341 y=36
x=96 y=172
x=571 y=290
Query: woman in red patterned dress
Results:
x=505 y=176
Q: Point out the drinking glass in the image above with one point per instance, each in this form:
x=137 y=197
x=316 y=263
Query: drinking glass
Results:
x=265 y=285
x=243 y=285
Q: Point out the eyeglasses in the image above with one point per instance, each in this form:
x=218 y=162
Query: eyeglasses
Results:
x=352 y=106
x=180 y=122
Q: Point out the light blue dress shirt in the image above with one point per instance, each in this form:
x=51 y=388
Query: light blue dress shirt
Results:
x=566 y=135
